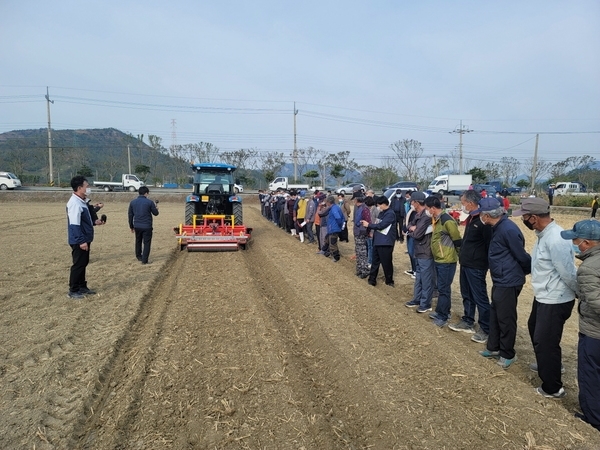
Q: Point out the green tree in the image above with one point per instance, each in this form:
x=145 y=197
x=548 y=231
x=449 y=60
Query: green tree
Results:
x=142 y=170
x=523 y=183
x=478 y=174
x=311 y=174
x=86 y=171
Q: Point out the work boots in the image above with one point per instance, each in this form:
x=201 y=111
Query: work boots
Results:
x=301 y=236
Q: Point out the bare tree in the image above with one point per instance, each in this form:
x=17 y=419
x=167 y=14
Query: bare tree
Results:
x=408 y=152
x=542 y=168
x=201 y=152
x=509 y=169
x=454 y=161
x=563 y=168
x=271 y=163
x=492 y=170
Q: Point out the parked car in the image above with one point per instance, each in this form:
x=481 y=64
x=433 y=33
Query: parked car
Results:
x=350 y=188
x=513 y=190
x=237 y=188
x=391 y=192
x=404 y=185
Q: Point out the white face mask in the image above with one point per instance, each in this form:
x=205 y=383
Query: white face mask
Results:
x=427 y=213
x=398 y=195
x=88 y=191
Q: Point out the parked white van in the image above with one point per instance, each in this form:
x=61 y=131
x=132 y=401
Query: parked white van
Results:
x=564 y=188
x=9 y=180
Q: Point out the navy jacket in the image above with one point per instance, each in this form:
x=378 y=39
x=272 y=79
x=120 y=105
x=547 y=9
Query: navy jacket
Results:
x=140 y=212
x=509 y=262
x=386 y=219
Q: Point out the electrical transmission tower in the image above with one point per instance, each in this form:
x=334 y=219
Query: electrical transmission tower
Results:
x=173 y=133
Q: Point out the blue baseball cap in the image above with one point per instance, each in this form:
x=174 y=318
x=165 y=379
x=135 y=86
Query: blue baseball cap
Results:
x=584 y=229
x=486 y=204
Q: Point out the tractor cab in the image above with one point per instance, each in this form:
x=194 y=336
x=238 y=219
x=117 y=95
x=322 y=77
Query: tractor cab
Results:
x=213 y=180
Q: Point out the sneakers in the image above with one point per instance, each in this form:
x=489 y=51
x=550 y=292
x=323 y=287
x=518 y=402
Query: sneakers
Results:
x=410 y=273
x=411 y=304
x=75 y=295
x=462 y=326
x=505 y=363
x=86 y=291
x=560 y=394
x=534 y=368
x=423 y=310
x=389 y=284
x=440 y=323
x=480 y=337
x=489 y=354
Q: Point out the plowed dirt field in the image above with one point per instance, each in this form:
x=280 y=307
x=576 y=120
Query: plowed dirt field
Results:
x=274 y=347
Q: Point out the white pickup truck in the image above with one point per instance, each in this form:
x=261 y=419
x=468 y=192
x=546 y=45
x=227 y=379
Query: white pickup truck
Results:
x=129 y=182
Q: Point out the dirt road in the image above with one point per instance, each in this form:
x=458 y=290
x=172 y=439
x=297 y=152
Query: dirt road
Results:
x=275 y=347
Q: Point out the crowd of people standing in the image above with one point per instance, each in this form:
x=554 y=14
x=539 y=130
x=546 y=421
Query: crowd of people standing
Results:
x=491 y=242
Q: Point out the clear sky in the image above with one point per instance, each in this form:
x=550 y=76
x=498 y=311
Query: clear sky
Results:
x=363 y=74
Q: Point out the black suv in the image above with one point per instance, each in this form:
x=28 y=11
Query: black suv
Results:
x=404 y=185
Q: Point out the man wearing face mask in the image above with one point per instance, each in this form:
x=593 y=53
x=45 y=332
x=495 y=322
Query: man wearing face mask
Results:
x=554 y=283
x=585 y=237
x=445 y=243
x=473 y=260
x=80 y=231
x=509 y=263
x=384 y=238
x=419 y=231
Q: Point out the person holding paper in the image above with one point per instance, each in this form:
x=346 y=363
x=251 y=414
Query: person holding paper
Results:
x=384 y=238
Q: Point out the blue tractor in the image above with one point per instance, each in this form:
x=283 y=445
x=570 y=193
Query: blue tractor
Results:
x=214 y=194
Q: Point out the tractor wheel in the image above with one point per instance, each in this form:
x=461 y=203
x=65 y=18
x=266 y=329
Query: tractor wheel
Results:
x=190 y=210
x=237 y=212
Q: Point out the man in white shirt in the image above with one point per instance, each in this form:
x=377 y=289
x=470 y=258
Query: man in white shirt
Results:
x=554 y=283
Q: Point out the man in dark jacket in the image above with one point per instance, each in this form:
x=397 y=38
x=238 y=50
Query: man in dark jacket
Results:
x=140 y=215
x=420 y=231
x=509 y=263
x=397 y=205
x=384 y=238
x=473 y=260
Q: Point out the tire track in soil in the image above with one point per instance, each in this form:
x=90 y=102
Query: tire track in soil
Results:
x=120 y=383
x=317 y=371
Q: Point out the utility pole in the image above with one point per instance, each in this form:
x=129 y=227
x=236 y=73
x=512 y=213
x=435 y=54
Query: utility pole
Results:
x=48 y=101
x=461 y=130
x=534 y=165
x=129 y=158
x=295 y=156
x=436 y=167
